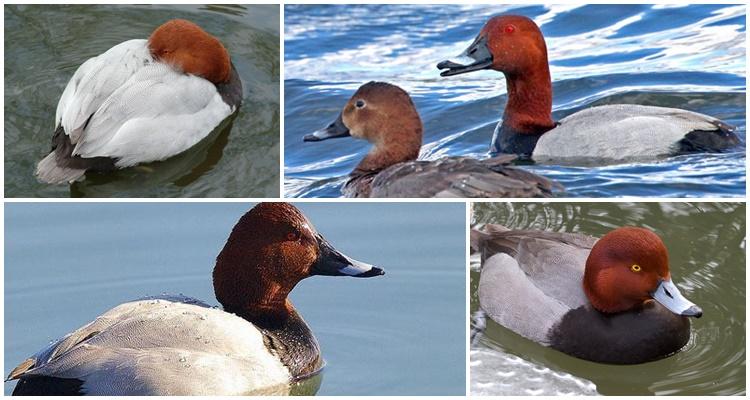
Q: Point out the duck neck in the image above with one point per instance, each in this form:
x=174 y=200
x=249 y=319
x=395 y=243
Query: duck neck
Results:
x=528 y=112
x=287 y=336
x=248 y=288
x=266 y=306
x=391 y=149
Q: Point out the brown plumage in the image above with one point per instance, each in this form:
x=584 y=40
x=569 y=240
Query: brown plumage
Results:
x=384 y=115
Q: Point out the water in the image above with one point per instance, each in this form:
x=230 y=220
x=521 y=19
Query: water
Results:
x=707 y=245
x=690 y=57
x=400 y=334
x=44 y=45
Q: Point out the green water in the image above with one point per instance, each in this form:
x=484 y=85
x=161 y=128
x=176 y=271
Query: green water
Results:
x=706 y=243
x=45 y=44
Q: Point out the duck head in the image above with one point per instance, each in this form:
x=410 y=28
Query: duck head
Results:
x=187 y=47
x=630 y=266
x=384 y=115
x=271 y=249
x=512 y=44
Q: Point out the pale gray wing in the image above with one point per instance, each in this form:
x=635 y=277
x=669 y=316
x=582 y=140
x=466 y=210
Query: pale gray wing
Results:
x=609 y=132
x=95 y=80
x=512 y=300
x=150 y=346
x=154 y=115
x=460 y=177
x=553 y=261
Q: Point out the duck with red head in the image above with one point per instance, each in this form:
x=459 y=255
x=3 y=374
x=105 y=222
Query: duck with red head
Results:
x=258 y=344
x=515 y=46
x=142 y=101
x=384 y=115
x=609 y=300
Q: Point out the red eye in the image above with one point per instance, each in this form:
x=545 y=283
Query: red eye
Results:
x=510 y=28
x=291 y=236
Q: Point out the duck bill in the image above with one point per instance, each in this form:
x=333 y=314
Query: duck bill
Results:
x=670 y=297
x=333 y=130
x=331 y=262
x=476 y=57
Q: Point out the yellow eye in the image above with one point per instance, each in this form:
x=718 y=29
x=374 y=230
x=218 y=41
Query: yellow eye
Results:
x=635 y=268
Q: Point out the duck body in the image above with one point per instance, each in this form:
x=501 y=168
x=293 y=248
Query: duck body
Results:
x=619 y=133
x=532 y=282
x=141 y=101
x=451 y=177
x=385 y=115
x=176 y=345
x=515 y=46
x=132 y=348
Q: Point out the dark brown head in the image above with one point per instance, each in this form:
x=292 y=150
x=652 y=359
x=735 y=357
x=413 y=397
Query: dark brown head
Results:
x=384 y=115
x=186 y=46
x=271 y=248
x=629 y=266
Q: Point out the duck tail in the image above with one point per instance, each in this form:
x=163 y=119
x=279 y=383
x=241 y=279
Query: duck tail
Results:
x=50 y=171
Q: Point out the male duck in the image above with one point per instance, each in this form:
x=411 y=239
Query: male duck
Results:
x=384 y=115
x=142 y=101
x=170 y=345
x=515 y=46
x=610 y=300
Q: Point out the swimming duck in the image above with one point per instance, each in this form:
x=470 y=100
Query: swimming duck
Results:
x=174 y=345
x=515 y=46
x=610 y=300
x=384 y=115
x=142 y=101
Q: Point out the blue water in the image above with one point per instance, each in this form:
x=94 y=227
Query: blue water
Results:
x=690 y=57
x=400 y=334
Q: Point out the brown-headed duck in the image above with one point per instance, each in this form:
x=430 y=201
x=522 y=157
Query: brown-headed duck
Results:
x=175 y=345
x=610 y=300
x=384 y=115
x=142 y=101
x=515 y=46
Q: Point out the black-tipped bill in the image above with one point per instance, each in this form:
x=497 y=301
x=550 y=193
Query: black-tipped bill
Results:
x=333 y=130
x=331 y=262
x=670 y=297
x=477 y=56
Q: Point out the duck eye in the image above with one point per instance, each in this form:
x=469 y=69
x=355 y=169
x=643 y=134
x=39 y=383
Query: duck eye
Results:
x=635 y=268
x=360 y=103
x=291 y=236
x=510 y=28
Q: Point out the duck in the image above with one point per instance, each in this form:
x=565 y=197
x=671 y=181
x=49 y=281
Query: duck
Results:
x=610 y=300
x=141 y=101
x=384 y=115
x=175 y=345
x=608 y=134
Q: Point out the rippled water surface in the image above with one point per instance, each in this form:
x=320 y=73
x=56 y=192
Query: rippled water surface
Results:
x=399 y=334
x=690 y=57
x=706 y=244
x=44 y=45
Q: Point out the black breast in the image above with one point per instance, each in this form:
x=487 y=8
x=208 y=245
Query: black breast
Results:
x=631 y=337
x=292 y=341
x=231 y=91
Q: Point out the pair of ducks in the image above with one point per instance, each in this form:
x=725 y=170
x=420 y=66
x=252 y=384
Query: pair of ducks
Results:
x=384 y=115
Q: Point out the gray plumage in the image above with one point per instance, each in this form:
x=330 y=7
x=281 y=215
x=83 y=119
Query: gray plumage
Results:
x=536 y=265
x=630 y=132
x=454 y=177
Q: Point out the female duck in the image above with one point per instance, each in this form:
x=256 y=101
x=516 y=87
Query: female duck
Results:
x=609 y=301
x=514 y=45
x=384 y=115
x=142 y=101
x=171 y=345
